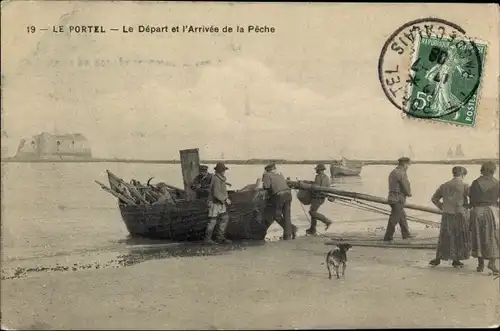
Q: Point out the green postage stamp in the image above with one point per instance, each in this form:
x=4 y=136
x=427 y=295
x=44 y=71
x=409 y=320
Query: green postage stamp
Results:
x=445 y=80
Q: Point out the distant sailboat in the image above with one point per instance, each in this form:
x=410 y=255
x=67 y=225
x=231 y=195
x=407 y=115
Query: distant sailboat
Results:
x=459 y=152
x=450 y=153
x=411 y=155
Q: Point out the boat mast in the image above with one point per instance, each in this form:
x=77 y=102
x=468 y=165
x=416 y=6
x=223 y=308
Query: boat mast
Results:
x=450 y=152
x=458 y=151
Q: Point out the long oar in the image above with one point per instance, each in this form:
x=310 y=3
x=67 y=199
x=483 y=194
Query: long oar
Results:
x=350 y=202
x=316 y=188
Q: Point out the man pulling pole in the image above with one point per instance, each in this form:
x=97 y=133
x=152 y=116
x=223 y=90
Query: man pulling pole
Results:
x=399 y=190
x=318 y=198
x=281 y=198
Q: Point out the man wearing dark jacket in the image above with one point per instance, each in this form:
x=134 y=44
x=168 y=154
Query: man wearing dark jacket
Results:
x=318 y=198
x=201 y=183
x=399 y=190
x=281 y=198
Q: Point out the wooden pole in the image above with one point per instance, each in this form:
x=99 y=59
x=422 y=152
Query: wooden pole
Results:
x=190 y=164
x=116 y=194
x=311 y=187
x=131 y=188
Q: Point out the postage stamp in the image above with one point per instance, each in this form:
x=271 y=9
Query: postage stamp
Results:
x=447 y=77
x=430 y=69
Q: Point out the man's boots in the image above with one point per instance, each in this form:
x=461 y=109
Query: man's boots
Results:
x=221 y=230
x=311 y=232
x=210 y=231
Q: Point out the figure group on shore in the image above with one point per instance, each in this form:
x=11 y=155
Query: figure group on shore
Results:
x=281 y=198
x=468 y=226
x=467 y=229
x=213 y=188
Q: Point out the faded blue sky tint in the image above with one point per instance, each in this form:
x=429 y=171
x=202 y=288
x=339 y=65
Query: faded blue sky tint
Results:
x=310 y=90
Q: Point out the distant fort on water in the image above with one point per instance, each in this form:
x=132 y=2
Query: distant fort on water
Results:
x=54 y=147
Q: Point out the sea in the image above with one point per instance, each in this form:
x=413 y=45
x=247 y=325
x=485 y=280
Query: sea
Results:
x=57 y=208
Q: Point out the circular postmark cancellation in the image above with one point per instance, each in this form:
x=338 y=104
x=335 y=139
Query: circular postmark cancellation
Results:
x=429 y=68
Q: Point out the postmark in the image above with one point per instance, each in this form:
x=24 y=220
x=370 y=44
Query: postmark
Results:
x=405 y=65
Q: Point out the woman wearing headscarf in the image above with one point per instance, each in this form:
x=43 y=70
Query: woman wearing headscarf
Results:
x=483 y=194
x=454 y=238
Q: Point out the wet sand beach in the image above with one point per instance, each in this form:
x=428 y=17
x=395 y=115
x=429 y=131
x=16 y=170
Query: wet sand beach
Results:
x=67 y=263
x=274 y=285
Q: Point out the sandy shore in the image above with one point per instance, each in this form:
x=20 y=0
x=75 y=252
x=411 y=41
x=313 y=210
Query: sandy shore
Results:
x=266 y=286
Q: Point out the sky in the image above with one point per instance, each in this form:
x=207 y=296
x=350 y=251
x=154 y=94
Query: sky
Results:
x=308 y=91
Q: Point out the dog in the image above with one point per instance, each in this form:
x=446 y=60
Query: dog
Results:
x=337 y=257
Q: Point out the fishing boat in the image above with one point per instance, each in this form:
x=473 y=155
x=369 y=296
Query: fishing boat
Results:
x=183 y=217
x=345 y=167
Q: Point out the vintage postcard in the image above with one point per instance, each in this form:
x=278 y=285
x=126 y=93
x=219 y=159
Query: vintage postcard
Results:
x=205 y=166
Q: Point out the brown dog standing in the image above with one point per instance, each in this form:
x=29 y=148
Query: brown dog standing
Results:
x=337 y=257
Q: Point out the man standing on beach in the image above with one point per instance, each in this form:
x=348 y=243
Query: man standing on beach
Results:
x=281 y=198
x=201 y=183
x=218 y=201
x=399 y=190
x=318 y=198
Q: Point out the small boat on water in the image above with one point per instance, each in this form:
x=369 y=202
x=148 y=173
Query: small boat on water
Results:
x=345 y=167
x=181 y=218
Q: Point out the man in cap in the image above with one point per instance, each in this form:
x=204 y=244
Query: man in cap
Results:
x=201 y=183
x=318 y=198
x=399 y=190
x=218 y=201
x=281 y=198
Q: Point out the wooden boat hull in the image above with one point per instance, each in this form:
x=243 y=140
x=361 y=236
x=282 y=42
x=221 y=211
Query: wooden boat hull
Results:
x=250 y=216
x=339 y=171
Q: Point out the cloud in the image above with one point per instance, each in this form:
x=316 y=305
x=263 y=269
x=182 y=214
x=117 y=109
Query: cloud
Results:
x=238 y=107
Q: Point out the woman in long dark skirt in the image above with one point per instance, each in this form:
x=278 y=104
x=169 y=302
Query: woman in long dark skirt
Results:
x=454 y=237
x=483 y=194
